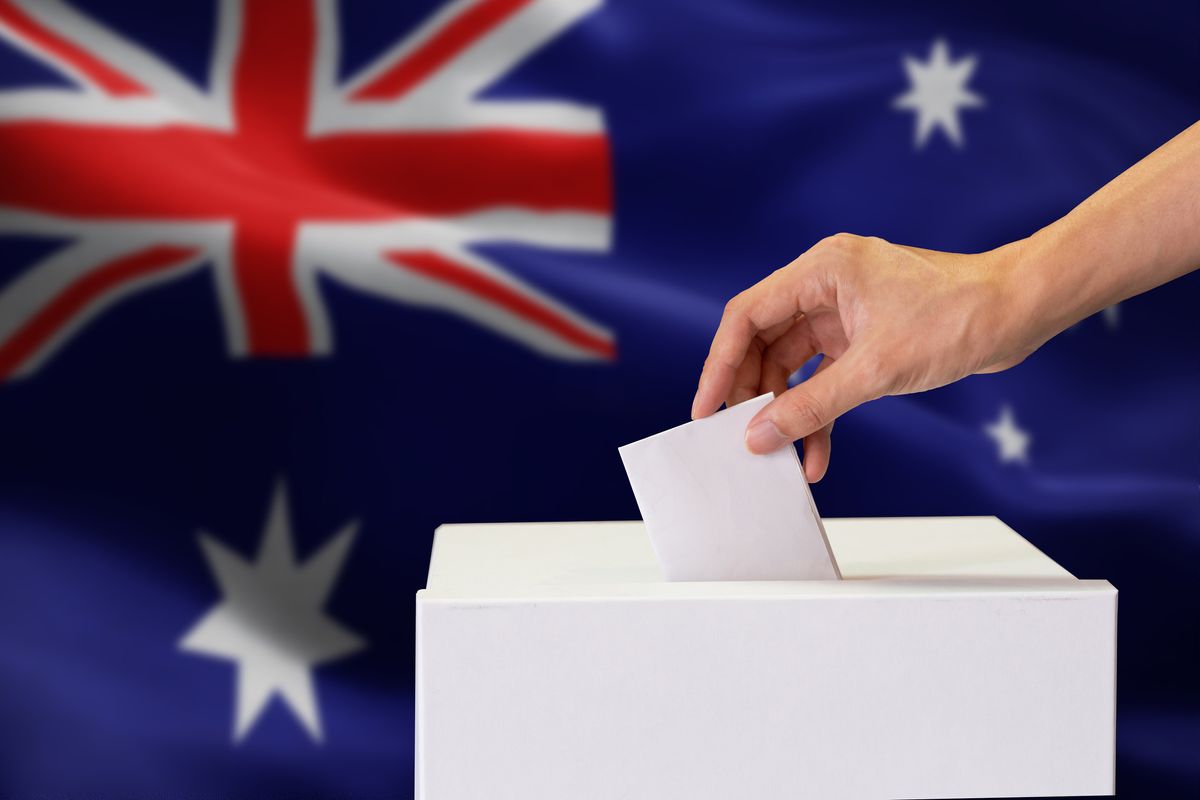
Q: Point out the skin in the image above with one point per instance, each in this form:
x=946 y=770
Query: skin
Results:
x=890 y=319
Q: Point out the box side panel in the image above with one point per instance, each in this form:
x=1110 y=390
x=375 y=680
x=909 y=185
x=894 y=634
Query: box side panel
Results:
x=980 y=696
x=418 y=693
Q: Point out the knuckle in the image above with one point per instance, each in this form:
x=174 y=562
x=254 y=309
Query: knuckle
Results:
x=772 y=355
x=873 y=370
x=804 y=412
x=734 y=307
x=839 y=243
x=717 y=360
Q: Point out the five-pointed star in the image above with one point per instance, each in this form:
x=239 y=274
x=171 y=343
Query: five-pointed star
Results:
x=271 y=621
x=1012 y=442
x=937 y=91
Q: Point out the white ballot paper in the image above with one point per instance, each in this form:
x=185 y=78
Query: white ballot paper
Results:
x=716 y=512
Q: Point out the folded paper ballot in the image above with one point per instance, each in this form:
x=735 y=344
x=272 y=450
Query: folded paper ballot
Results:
x=714 y=511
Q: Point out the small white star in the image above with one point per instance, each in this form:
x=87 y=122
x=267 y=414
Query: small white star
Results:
x=271 y=621
x=1112 y=317
x=1012 y=442
x=938 y=91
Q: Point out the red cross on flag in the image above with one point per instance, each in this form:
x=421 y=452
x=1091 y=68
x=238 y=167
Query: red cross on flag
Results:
x=279 y=172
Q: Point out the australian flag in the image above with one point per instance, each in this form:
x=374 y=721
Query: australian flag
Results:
x=285 y=284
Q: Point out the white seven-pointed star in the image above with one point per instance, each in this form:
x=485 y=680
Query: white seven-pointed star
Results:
x=1012 y=442
x=937 y=92
x=271 y=622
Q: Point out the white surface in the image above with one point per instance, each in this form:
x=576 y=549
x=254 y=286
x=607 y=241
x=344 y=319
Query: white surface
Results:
x=955 y=661
x=715 y=511
x=588 y=557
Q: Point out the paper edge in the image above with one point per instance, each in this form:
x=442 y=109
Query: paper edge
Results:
x=693 y=421
x=812 y=504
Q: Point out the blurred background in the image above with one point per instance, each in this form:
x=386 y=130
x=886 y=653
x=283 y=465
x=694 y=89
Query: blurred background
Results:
x=286 y=285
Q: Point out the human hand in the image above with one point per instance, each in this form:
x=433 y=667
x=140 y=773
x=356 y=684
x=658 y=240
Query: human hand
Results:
x=888 y=320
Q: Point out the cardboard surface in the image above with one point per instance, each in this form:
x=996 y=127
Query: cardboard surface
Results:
x=874 y=555
x=955 y=660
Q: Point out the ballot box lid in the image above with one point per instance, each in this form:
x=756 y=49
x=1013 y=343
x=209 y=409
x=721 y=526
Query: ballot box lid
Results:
x=876 y=555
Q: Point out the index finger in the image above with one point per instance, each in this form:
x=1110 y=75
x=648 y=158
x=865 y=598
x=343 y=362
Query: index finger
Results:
x=781 y=296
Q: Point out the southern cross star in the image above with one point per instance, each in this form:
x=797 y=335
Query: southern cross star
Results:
x=1011 y=441
x=937 y=92
x=271 y=621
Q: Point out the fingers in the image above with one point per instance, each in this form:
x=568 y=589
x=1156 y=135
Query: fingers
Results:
x=748 y=377
x=817 y=448
x=784 y=356
x=769 y=303
x=748 y=374
x=813 y=405
x=819 y=445
x=773 y=378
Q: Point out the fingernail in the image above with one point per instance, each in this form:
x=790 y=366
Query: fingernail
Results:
x=764 y=437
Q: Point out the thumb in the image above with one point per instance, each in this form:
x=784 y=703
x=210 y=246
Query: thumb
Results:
x=810 y=406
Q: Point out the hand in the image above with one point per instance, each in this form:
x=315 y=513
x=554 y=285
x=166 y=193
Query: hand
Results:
x=887 y=319
x=892 y=320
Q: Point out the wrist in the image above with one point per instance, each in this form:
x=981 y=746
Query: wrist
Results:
x=1011 y=316
x=1036 y=291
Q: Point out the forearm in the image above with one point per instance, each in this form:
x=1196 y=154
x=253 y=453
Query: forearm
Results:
x=1137 y=232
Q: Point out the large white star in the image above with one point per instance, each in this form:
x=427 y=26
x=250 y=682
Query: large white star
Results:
x=1012 y=442
x=271 y=622
x=937 y=92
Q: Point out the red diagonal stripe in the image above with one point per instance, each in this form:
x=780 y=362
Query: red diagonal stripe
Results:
x=99 y=73
x=76 y=297
x=432 y=265
x=463 y=31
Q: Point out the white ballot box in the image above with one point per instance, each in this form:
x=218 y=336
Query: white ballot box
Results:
x=954 y=660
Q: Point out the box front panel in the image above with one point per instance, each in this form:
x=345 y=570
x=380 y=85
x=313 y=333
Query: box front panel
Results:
x=960 y=695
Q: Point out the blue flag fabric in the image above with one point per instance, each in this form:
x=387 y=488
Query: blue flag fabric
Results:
x=218 y=486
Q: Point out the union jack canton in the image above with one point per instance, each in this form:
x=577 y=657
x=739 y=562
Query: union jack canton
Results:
x=279 y=172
